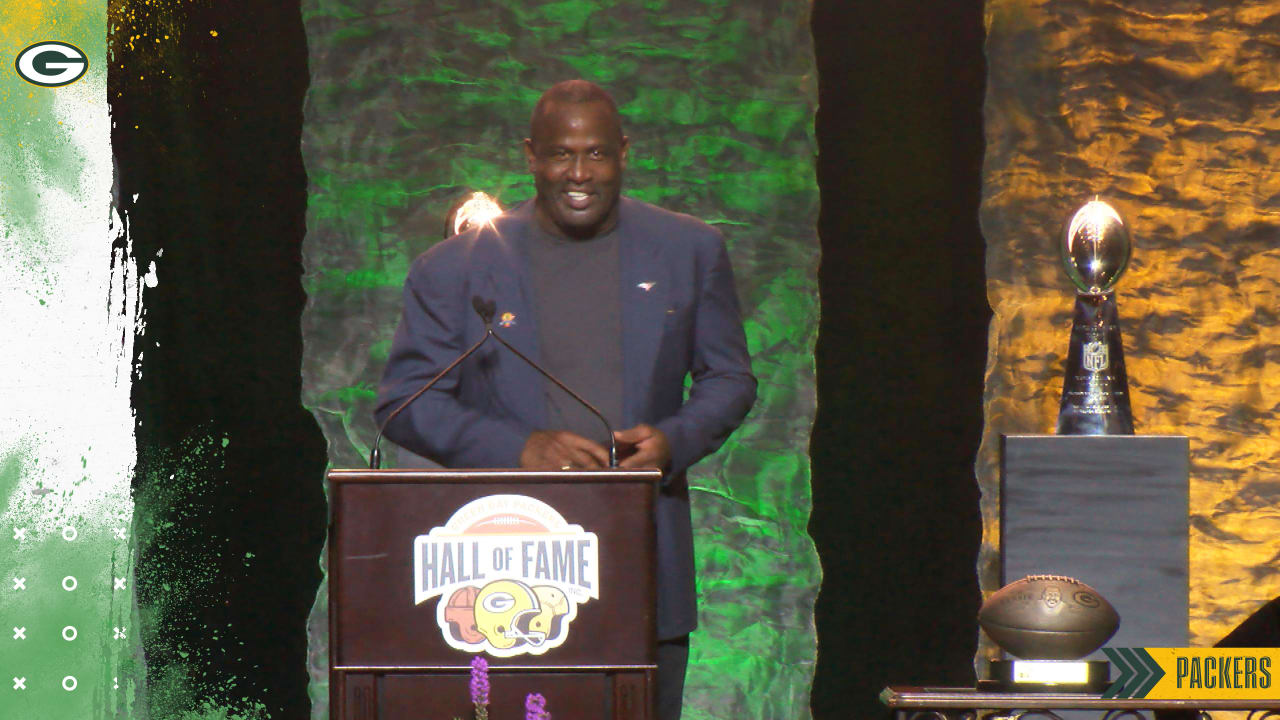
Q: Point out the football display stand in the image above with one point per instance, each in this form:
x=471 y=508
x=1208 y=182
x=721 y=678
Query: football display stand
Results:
x=1085 y=676
x=547 y=575
x=1050 y=622
x=942 y=703
x=1110 y=511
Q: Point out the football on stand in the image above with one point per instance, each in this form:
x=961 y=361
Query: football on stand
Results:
x=1048 y=617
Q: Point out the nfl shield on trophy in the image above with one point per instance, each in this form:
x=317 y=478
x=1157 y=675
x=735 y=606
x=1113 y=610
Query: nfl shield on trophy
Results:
x=1095 y=250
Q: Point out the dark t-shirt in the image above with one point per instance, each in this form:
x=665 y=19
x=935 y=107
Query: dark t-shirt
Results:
x=577 y=308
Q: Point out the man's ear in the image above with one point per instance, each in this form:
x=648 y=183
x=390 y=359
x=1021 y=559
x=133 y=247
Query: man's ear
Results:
x=529 y=155
x=622 y=152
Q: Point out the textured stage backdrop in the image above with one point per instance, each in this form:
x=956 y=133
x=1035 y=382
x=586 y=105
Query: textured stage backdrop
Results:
x=1172 y=109
x=412 y=103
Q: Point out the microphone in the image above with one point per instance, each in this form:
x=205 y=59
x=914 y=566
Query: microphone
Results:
x=486 y=309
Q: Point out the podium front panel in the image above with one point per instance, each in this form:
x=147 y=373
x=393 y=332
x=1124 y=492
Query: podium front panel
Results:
x=570 y=696
x=384 y=521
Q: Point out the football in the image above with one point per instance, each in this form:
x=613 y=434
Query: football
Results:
x=1048 y=617
x=506 y=524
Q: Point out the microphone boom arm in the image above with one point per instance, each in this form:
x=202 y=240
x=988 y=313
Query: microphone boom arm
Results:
x=613 y=443
x=486 y=309
x=375 y=456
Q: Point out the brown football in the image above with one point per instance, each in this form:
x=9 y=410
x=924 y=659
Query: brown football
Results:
x=1048 y=617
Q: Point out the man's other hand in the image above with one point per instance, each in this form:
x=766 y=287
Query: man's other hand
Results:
x=646 y=445
x=562 y=450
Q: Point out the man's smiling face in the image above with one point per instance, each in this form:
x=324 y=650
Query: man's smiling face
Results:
x=577 y=155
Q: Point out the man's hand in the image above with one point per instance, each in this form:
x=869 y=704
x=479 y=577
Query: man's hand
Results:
x=647 y=447
x=562 y=450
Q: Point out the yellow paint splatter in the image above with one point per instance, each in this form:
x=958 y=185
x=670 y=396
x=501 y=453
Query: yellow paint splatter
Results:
x=28 y=19
x=134 y=21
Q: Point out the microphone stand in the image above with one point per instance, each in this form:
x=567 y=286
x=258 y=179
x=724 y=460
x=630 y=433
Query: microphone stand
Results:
x=375 y=456
x=613 y=443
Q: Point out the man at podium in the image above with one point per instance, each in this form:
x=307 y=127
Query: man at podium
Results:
x=620 y=300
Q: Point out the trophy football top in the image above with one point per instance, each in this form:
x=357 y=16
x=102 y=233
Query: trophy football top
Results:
x=1095 y=247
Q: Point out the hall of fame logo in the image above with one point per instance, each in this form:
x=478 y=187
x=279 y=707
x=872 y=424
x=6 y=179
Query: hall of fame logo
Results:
x=510 y=574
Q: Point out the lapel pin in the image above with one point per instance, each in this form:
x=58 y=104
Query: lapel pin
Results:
x=507 y=320
x=646 y=285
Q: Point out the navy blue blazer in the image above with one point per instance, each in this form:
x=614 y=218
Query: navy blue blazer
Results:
x=680 y=317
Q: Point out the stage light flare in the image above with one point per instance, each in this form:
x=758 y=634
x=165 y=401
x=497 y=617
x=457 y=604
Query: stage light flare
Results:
x=478 y=209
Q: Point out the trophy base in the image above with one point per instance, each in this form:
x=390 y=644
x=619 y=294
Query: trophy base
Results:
x=1095 y=389
x=1082 y=676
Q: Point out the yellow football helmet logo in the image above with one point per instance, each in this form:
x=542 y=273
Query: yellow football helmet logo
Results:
x=554 y=606
x=505 y=609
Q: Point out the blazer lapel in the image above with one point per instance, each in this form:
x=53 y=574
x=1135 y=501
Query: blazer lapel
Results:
x=645 y=298
x=519 y=387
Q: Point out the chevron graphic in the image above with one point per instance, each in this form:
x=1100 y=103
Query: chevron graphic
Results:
x=1139 y=672
x=1125 y=673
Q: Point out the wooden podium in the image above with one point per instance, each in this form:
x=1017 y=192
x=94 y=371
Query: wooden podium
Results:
x=549 y=575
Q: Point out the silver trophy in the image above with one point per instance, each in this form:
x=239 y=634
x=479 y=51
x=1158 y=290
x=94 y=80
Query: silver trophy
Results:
x=1095 y=392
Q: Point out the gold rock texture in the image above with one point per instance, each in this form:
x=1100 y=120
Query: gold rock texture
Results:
x=1170 y=110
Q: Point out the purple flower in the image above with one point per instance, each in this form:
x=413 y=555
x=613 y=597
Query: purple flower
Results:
x=480 y=687
x=535 y=707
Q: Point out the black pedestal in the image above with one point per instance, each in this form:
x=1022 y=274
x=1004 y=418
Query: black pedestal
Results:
x=1110 y=511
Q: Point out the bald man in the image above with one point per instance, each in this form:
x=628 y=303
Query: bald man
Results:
x=619 y=299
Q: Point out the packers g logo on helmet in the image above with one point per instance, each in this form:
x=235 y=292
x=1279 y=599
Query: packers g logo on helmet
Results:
x=504 y=611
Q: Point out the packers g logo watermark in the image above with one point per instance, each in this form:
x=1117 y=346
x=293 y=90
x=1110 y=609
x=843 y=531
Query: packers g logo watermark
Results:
x=51 y=64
